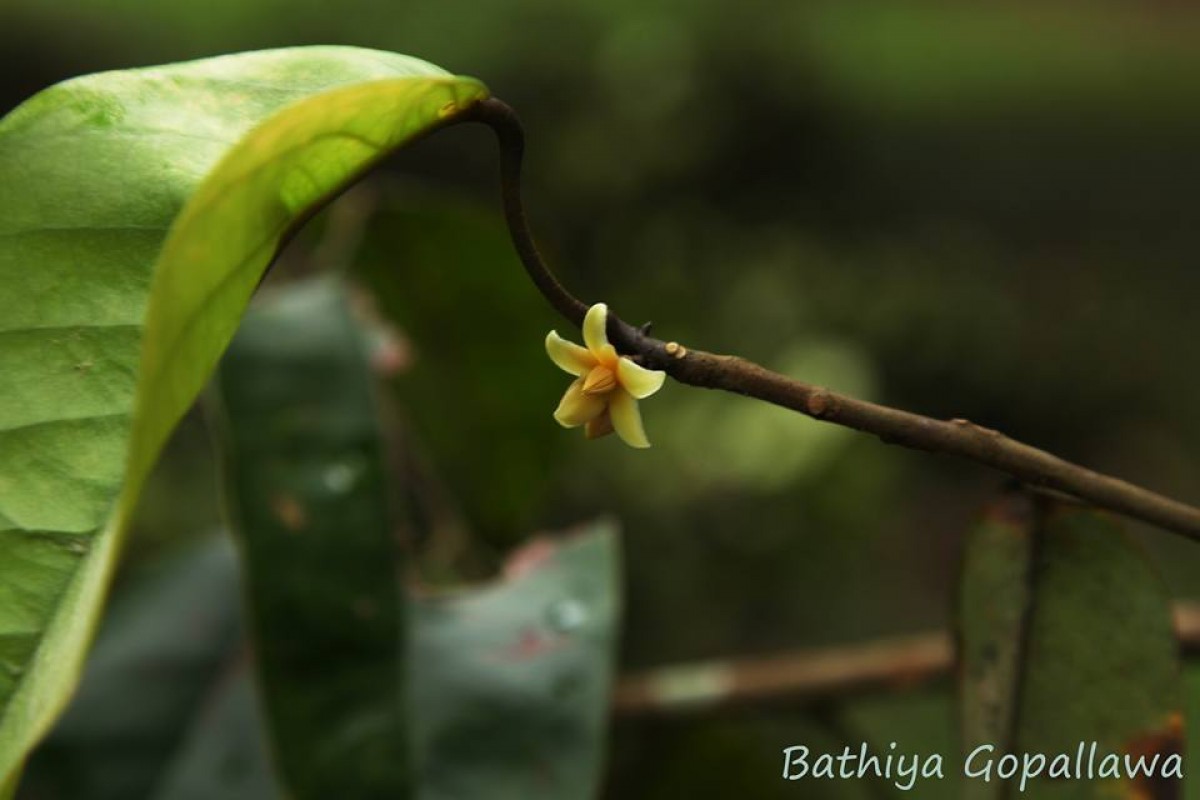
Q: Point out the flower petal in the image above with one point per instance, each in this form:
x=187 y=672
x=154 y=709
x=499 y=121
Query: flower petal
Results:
x=627 y=419
x=594 y=334
x=600 y=426
x=577 y=408
x=637 y=380
x=569 y=356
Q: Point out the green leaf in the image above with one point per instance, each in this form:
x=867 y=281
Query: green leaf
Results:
x=308 y=491
x=139 y=210
x=1067 y=640
x=9 y=790
x=510 y=684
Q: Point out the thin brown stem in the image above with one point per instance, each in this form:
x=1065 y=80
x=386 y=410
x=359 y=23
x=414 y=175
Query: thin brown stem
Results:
x=958 y=437
x=510 y=136
x=808 y=676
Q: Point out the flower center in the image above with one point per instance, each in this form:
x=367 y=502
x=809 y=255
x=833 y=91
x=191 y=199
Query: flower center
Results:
x=600 y=380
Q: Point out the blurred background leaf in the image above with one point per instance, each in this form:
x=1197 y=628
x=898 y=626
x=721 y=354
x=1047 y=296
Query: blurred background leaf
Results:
x=309 y=503
x=508 y=686
x=509 y=689
x=511 y=683
x=996 y=593
x=161 y=669
x=225 y=753
x=1066 y=640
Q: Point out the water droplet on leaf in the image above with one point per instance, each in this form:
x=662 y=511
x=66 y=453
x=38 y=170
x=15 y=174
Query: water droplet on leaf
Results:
x=566 y=615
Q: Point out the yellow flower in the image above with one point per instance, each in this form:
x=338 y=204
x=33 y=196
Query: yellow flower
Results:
x=603 y=397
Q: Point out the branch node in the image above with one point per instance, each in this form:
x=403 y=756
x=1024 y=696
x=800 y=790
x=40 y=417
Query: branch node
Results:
x=818 y=403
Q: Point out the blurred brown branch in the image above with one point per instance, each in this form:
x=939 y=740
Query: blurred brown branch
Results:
x=812 y=675
x=958 y=437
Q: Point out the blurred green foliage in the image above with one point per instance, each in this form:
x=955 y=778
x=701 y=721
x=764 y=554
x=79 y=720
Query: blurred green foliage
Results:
x=984 y=212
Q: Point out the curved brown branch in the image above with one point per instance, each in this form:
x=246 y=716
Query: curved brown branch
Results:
x=957 y=437
x=510 y=136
